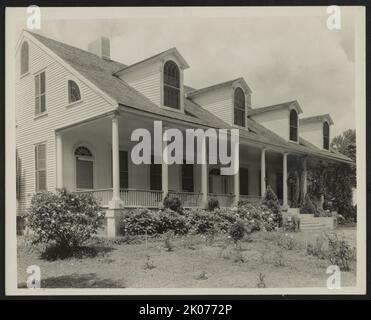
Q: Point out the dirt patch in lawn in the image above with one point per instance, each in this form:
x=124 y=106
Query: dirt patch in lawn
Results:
x=263 y=259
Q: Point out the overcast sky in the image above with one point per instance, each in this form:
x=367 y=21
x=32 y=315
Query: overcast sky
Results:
x=281 y=58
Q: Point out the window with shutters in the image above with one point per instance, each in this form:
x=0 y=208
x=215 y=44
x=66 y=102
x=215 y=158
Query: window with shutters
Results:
x=239 y=107
x=187 y=177
x=24 y=58
x=40 y=167
x=73 y=92
x=40 y=95
x=155 y=175
x=171 y=85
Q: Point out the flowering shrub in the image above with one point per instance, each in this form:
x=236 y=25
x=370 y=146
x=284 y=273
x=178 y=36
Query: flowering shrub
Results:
x=64 y=219
x=201 y=221
x=171 y=220
x=258 y=217
x=138 y=221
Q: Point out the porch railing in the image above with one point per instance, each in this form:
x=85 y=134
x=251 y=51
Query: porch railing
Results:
x=141 y=198
x=225 y=200
x=252 y=199
x=104 y=196
x=188 y=199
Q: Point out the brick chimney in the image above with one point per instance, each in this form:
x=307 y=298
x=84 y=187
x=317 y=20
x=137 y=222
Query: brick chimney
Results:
x=100 y=47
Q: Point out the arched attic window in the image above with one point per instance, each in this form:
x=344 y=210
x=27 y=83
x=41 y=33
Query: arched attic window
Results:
x=326 y=135
x=171 y=85
x=293 y=125
x=24 y=58
x=73 y=92
x=239 y=107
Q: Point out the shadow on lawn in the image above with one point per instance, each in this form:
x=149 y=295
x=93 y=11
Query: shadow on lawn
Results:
x=54 y=253
x=88 y=280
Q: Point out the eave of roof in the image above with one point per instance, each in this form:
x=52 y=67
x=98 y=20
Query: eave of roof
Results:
x=217 y=86
x=284 y=105
x=317 y=118
x=159 y=56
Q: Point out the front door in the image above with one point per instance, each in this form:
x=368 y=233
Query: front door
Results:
x=84 y=174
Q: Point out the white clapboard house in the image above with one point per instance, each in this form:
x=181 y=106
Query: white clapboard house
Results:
x=76 y=109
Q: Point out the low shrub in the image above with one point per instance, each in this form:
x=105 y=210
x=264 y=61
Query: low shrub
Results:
x=171 y=220
x=237 y=231
x=258 y=217
x=213 y=204
x=340 y=253
x=307 y=206
x=64 y=219
x=287 y=242
x=318 y=248
x=138 y=222
x=201 y=221
x=173 y=203
x=291 y=223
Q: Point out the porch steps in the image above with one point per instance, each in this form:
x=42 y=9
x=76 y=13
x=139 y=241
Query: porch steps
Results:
x=310 y=223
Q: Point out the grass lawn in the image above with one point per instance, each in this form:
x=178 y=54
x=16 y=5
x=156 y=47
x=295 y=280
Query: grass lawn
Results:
x=193 y=262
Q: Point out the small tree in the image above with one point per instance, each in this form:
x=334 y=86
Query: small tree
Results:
x=271 y=201
x=308 y=206
x=237 y=231
x=64 y=219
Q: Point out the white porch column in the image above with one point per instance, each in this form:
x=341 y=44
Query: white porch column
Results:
x=262 y=173
x=59 y=151
x=115 y=159
x=236 y=187
x=305 y=174
x=116 y=202
x=284 y=180
x=204 y=174
x=165 y=167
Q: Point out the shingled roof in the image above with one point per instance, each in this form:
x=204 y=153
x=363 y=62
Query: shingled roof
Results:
x=101 y=72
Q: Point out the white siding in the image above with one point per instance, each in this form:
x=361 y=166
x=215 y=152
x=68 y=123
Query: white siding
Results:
x=146 y=80
x=31 y=130
x=313 y=132
x=276 y=121
x=218 y=102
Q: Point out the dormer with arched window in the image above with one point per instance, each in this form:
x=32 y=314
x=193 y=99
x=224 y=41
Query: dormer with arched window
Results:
x=24 y=59
x=316 y=130
x=159 y=78
x=171 y=85
x=293 y=125
x=239 y=107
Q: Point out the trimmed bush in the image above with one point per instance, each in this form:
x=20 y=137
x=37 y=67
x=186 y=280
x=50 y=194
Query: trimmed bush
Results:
x=213 y=204
x=308 y=206
x=271 y=201
x=173 y=203
x=201 y=221
x=64 y=219
x=291 y=223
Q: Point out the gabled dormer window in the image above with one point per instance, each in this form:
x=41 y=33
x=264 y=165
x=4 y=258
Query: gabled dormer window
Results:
x=293 y=125
x=171 y=85
x=73 y=92
x=326 y=136
x=24 y=58
x=239 y=107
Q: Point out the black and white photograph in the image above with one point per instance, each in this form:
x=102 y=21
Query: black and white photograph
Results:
x=184 y=150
